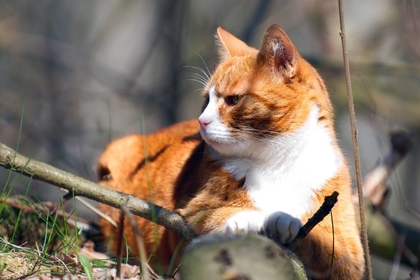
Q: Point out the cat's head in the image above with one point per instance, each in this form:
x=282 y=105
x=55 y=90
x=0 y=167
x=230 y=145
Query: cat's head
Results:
x=258 y=96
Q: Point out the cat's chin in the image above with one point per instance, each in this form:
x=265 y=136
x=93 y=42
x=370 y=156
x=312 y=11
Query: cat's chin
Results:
x=220 y=147
x=224 y=147
x=211 y=140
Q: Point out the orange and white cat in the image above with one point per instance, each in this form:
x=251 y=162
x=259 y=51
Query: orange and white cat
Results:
x=261 y=158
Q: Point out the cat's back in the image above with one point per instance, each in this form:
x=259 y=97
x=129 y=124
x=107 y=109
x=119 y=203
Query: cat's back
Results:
x=148 y=167
x=134 y=164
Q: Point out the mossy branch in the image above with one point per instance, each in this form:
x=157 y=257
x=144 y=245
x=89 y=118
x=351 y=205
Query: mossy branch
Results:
x=79 y=186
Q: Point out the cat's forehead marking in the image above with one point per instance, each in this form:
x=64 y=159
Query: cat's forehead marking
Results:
x=232 y=79
x=231 y=89
x=234 y=70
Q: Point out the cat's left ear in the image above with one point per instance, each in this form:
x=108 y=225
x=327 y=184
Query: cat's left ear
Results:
x=278 y=52
x=230 y=46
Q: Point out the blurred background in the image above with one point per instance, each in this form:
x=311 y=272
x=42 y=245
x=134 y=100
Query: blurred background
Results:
x=82 y=73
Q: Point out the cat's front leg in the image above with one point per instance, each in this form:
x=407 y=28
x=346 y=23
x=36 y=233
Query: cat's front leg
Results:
x=246 y=221
x=279 y=226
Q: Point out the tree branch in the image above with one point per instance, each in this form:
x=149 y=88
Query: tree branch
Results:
x=383 y=232
x=374 y=186
x=319 y=215
x=79 y=186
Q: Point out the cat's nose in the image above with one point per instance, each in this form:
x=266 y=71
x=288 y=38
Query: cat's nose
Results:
x=203 y=122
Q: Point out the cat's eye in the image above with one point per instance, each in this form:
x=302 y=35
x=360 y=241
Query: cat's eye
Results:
x=232 y=100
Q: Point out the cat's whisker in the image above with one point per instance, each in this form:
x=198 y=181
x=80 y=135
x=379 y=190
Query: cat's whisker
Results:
x=265 y=132
x=197 y=81
x=270 y=137
x=199 y=69
x=202 y=71
x=207 y=74
x=198 y=89
x=195 y=77
x=198 y=76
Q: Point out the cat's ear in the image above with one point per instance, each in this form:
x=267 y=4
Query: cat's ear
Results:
x=278 y=52
x=230 y=46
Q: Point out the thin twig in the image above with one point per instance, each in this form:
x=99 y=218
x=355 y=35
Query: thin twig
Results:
x=65 y=198
x=414 y=275
x=174 y=273
x=139 y=241
x=354 y=141
x=120 y=238
x=397 y=258
x=323 y=211
x=96 y=211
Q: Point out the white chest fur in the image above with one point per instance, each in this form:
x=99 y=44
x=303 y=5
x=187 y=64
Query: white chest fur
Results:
x=289 y=169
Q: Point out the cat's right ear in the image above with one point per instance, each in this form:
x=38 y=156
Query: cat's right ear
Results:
x=229 y=45
x=278 y=52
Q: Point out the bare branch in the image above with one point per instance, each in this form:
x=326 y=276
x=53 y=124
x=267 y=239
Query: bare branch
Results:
x=323 y=211
x=383 y=231
x=374 y=183
x=79 y=186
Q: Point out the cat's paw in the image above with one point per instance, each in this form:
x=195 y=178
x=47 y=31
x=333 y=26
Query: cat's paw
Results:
x=247 y=221
x=281 y=227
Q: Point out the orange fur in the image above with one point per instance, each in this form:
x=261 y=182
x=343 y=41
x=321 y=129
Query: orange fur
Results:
x=259 y=95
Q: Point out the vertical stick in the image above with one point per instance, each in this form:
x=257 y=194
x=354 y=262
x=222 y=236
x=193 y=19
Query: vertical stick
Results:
x=355 y=142
x=119 y=244
x=139 y=240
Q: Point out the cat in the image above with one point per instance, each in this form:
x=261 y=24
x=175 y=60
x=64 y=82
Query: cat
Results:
x=261 y=158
